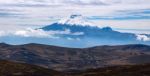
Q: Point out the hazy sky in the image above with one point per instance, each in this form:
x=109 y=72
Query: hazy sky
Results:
x=122 y=15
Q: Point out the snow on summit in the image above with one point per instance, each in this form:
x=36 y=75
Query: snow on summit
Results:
x=76 y=20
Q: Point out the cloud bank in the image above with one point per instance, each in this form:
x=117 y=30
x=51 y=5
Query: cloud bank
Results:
x=124 y=14
x=143 y=37
x=39 y=33
x=64 y=2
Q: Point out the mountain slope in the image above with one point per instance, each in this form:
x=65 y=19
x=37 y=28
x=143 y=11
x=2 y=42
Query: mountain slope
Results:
x=76 y=32
x=61 y=58
x=132 y=70
x=78 y=29
x=8 y=68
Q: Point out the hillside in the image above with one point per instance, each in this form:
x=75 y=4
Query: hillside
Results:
x=63 y=59
x=8 y=68
x=132 y=70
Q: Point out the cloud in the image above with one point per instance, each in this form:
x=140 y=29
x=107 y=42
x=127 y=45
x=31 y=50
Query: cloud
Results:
x=75 y=2
x=125 y=15
x=8 y=14
x=84 y=2
x=39 y=33
x=53 y=2
x=2 y=33
x=136 y=31
x=65 y=32
x=78 y=33
x=11 y=13
x=32 y=33
x=143 y=37
x=114 y=13
x=71 y=39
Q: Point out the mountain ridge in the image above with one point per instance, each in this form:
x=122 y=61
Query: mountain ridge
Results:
x=63 y=59
x=6 y=44
x=92 y=35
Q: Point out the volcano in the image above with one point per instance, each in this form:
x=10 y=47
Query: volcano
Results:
x=78 y=28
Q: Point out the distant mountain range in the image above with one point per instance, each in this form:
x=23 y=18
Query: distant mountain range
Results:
x=82 y=31
x=64 y=59
x=74 y=31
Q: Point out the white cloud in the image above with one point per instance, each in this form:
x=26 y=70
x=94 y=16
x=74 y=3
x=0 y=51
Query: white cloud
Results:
x=77 y=39
x=78 y=33
x=143 y=37
x=66 y=31
x=74 y=1
x=2 y=33
x=68 y=38
x=39 y=33
x=32 y=33
x=61 y=8
x=5 y=33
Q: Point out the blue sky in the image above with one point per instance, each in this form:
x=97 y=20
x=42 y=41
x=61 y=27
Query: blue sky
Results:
x=122 y=15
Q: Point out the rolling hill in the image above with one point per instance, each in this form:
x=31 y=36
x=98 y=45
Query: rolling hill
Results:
x=64 y=59
x=9 y=68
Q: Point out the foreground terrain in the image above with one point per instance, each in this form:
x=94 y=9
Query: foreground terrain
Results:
x=132 y=70
x=66 y=59
x=8 y=68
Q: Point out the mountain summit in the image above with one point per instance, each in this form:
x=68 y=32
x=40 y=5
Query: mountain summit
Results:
x=75 y=20
x=77 y=31
x=75 y=23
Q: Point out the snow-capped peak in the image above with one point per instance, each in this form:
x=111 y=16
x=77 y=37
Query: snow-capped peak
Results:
x=75 y=20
